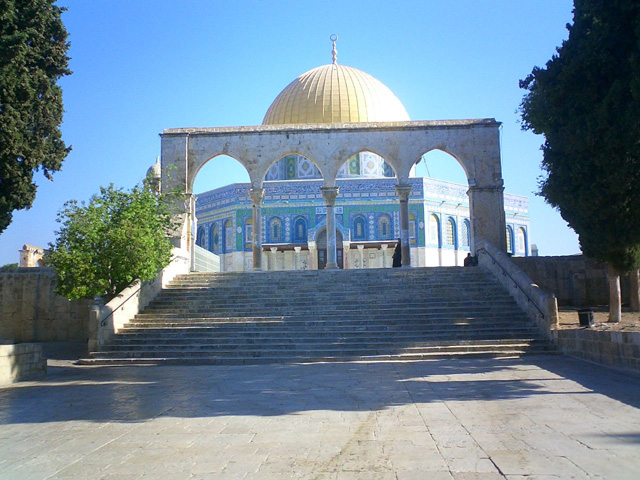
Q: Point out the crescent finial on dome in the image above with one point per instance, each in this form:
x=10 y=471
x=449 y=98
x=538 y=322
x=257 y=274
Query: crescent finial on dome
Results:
x=334 y=52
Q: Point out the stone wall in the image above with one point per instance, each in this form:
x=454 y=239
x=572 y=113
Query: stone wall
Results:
x=20 y=362
x=575 y=280
x=30 y=311
x=616 y=349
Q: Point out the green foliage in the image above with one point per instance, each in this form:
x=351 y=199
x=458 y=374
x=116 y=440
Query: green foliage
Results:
x=33 y=47
x=586 y=103
x=8 y=267
x=105 y=245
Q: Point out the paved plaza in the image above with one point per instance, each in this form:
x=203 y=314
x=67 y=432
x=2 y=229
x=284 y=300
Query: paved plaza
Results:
x=538 y=417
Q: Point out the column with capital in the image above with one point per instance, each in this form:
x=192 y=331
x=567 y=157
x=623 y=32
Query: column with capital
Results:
x=330 y=194
x=403 y=191
x=296 y=264
x=256 y=195
x=192 y=230
x=313 y=256
x=384 y=247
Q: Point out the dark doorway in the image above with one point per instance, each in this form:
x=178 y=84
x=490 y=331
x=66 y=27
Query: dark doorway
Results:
x=322 y=249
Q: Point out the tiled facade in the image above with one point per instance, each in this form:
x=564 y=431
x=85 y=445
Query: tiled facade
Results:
x=367 y=215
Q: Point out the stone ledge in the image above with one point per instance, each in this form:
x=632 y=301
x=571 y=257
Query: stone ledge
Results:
x=612 y=348
x=313 y=127
x=21 y=361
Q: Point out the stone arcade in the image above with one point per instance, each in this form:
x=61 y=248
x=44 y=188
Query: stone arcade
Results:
x=328 y=117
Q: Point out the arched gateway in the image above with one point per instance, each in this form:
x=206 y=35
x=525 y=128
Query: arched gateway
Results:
x=328 y=115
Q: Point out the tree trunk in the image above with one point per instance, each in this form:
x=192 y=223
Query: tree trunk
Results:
x=634 y=294
x=615 y=310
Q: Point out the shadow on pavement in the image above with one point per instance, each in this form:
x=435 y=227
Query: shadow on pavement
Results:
x=135 y=394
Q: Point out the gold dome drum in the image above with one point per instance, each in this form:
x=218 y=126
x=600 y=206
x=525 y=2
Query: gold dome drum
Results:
x=335 y=94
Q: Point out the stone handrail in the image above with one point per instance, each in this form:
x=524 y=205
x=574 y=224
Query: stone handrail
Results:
x=204 y=260
x=107 y=320
x=537 y=304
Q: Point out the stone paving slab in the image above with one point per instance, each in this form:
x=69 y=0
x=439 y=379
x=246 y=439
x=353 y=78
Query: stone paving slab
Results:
x=538 y=417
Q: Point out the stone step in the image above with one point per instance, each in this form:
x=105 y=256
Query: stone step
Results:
x=395 y=300
x=363 y=315
x=392 y=311
x=99 y=360
x=330 y=324
x=443 y=283
x=327 y=350
x=300 y=344
x=262 y=343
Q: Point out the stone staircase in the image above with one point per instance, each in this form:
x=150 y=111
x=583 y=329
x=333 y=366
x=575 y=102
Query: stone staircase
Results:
x=306 y=316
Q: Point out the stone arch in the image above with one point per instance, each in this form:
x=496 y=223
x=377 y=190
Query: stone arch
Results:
x=191 y=178
x=474 y=143
x=269 y=166
x=367 y=150
x=461 y=163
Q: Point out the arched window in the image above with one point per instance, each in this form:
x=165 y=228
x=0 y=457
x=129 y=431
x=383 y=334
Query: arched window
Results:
x=465 y=235
x=434 y=230
x=275 y=230
x=450 y=233
x=228 y=236
x=509 y=240
x=412 y=229
x=201 y=238
x=359 y=232
x=248 y=233
x=521 y=241
x=214 y=238
x=300 y=230
x=384 y=227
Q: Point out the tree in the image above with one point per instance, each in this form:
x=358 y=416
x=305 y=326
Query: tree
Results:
x=586 y=103
x=33 y=47
x=105 y=245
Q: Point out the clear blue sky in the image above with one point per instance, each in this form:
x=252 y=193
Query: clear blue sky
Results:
x=140 y=67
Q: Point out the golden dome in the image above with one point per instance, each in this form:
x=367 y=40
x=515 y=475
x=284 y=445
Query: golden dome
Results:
x=335 y=94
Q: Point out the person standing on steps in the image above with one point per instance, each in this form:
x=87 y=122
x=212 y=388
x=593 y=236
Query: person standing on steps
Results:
x=397 y=254
x=470 y=261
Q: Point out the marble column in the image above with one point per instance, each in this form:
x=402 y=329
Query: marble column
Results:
x=384 y=248
x=403 y=191
x=330 y=194
x=257 y=195
x=274 y=258
x=296 y=264
x=193 y=230
x=361 y=253
x=313 y=256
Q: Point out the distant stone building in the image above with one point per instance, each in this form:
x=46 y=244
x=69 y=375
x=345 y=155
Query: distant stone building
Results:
x=31 y=256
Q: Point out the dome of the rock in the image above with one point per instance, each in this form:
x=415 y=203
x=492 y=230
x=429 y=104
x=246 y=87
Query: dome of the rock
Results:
x=335 y=94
